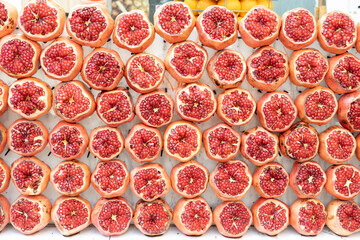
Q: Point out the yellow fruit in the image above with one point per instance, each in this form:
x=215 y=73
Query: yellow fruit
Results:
x=192 y=4
x=265 y=3
x=246 y=6
x=239 y=19
x=233 y=5
x=203 y=4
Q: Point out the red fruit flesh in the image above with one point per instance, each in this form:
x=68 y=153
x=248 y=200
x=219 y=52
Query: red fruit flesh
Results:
x=106 y=143
x=343 y=181
x=4 y=177
x=8 y=18
x=4 y=210
x=4 y=95
x=349 y=111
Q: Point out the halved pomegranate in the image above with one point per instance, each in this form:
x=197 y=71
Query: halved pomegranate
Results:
x=348 y=112
x=71 y=214
x=5 y=212
x=106 y=143
x=27 y=138
x=232 y=219
x=90 y=25
x=174 y=21
x=30 y=98
x=357 y=151
x=182 y=140
x=298 y=29
x=236 y=106
x=271 y=216
x=270 y=180
x=112 y=217
x=62 y=59
x=336 y=32
x=343 y=217
x=143 y=143
x=110 y=179
x=343 y=181
x=144 y=72
x=217 y=27
x=227 y=69
x=19 y=56
x=152 y=218
x=231 y=180
x=307 y=179
x=259 y=146
x=73 y=102
x=189 y=179
x=195 y=102
x=68 y=140
x=4 y=94
x=192 y=216
x=259 y=27
x=115 y=107
x=30 y=175
x=221 y=142
x=133 y=31
x=344 y=73
x=8 y=23
x=308 y=67
x=155 y=109
x=300 y=142
x=267 y=69
x=186 y=61
x=4 y=178
x=70 y=178
x=30 y=214
x=3 y=137
x=276 y=111
x=102 y=69
x=308 y=216
x=337 y=145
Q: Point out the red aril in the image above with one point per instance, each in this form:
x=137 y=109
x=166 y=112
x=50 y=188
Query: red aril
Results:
x=3 y=137
x=4 y=95
x=348 y=112
x=4 y=178
x=9 y=17
x=5 y=212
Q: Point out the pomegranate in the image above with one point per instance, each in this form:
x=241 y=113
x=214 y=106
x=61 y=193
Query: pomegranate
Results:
x=4 y=94
x=62 y=59
x=343 y=181
x=110 y=179
x=71 y=214
x=152 y=218
x=19 y=56
x=149 y=181
x=357 y=44
x=221 y=142
x=336 y=32
x=4 y=179
x=337 y=145
x=192 y=216
x=133 y=31
x=307 y=67
x=195 y=102
x=73 y=102
x=174 y=21
x=112 y=216
x=70 y=178
x=348 y=112
x=276 y=111
x=300 y=142
x=232 y=219
x=27 y=138
x=8 y=22
x=106 y=143
x=3 y=137
x=271 y=216
x=182 y=140
x=115 y=107
x=259 y=27
x=316 y=105
x=308 y=216
x=357 y=151
x=186 y=61
x=227 y=69
x=155 y=109
x=236 y=106
x=270 y=180
x=30 y=175
x=267 y=69
x=344 y=73
x=143 y=143
x=217 y=27
x=90 y=25
x=30 y=214
x=30 y=98
x=68 y=140
x=259 y=146
x=343 y=217
x=307 y=179
x=4 y=211
x=144 y=72
x=231 y=180
x=102 y=69
x=298 y=29
x=189 y=179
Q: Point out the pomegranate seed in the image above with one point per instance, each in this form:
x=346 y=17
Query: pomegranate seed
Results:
x=235 y=217
x=312 y=217
x=174 y=18
x=72 y=213
x=261 y=23
x=145 y=144
x=110 y=176
x=196 y=215
x=149 y=182
x=69 y=177
x=272 y=216
x=260 y=146
x=299 y=26
x=338 y=29
x=133 y=29
x=27 y=174
x=25 y=214
x=182 y=140
x=59 y=59
x=311 y=67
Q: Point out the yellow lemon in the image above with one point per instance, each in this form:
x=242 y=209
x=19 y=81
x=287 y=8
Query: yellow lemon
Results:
x=239 y=19
x=192 y=4
x=233 y=5
x=246 y=5
x=265 y=3
x=203 y=4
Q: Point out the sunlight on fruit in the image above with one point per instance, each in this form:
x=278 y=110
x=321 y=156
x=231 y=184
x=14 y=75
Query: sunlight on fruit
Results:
x=246 y=5
x=265 y=3
x=234 y=5
x=203 y=4
x=192 y=4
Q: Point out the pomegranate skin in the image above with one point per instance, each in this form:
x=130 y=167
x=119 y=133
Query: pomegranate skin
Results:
x=357 y=151
x=345 y=114
x=357 y=44
x=6 y=181
x=4 y=88
x=3 y=137
x=9 y=25
x=5 y=211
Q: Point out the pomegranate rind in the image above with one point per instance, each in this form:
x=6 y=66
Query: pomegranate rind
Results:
x=357 y=44
x=5 y=183
x=343 y=112
x=3 y=137
x=4 y=88
x=357 y=151
x=5 y=211
x=9 y=25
